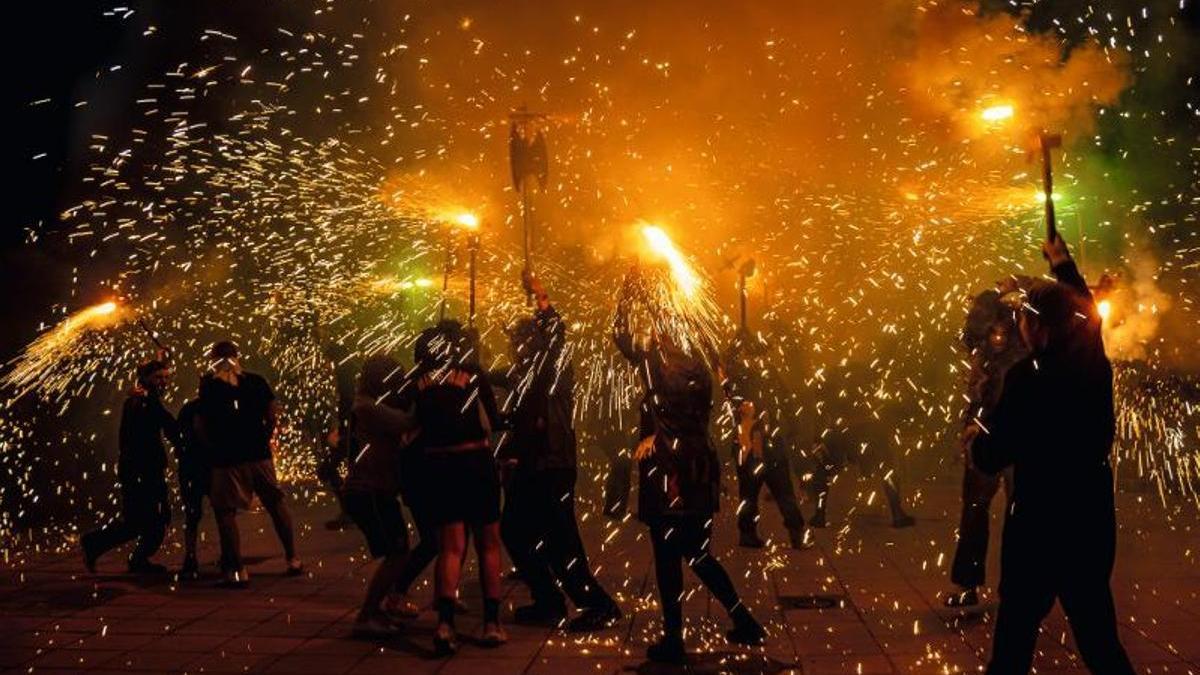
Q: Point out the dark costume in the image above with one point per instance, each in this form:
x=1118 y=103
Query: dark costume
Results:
x=758 y=445
x=989 y=365
x=141 y=469
x=1054 y=425
x=679 y=482
x=538 y=526
x=195 y=469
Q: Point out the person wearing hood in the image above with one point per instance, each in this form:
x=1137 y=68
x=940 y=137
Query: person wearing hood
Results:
x=678 y=479
x=141 y=470
x=370 y=493
x=1054 y=424
x=538 y=525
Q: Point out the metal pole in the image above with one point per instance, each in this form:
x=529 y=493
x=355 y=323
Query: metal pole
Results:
x=1048 y=187
x=474 y=249
x=445 y=281
x=742 y=294
x=527 y=233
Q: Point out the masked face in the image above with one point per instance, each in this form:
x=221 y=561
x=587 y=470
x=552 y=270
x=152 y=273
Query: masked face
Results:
x=998 y=338
x=157 y=381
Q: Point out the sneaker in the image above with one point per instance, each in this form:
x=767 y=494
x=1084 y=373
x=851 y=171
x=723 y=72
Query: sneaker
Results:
x=540 y=614
x=239 y=578
x=903 y=520
x=962 y=597
x=595 y=618
x=373 y=626
x=445 y=641
x=190 y=568
x=400 y=606
x=750 y=540
x=667 y=650
x=146 y=567
x=493 y=636
x=294 y=568
x=801 y=539
x=746 y=630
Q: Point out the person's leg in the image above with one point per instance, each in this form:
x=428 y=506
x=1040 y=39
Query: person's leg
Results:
x=778 y=477
x=487 y=547
x=452 y=539
x=116 y=533
x=750 y=482
x=617 y=484
x=424 y=553
x=266 y=486
x=524 y=527
x=818 y=489
x=1093 y=617
x=891 y=489
x=1017 y=621
x=668 y=574
x=564 y=545
x=970 y=556
x=152 y=530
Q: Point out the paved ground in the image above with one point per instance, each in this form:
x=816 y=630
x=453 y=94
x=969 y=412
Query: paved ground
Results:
x=888 y=618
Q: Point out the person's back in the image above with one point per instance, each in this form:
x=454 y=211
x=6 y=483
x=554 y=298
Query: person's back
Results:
x=236 y=418
x=143 y=455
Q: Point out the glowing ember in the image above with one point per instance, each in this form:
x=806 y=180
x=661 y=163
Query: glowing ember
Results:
x=997 y=113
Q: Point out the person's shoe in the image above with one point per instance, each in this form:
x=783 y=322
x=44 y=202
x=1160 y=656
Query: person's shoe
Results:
x=962 y=597
x=540 y=614
x=493 y=636
x=819 y=520
x=902 y=521
x=190 y=569
x=400 y=606
x=89 y=558
x=595 y=618
x=294 y=568
x=239 y=578
x=146 y=567
x=668 y=650
x=373 y=626
x=746 y=630
x=445 y=641
x=801 y=538
x=750 y=540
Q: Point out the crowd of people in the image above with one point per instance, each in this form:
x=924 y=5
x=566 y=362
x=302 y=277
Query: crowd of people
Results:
x=490 y=457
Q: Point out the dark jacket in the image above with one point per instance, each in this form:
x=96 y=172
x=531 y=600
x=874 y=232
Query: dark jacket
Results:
x=750 y=376
x=192 y=454
x=541 y=400
x=142 y=461
x=1054 y=424
x=236 y=422
x=683 y=475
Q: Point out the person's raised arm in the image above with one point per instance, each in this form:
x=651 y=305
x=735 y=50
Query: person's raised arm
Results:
x=1062 y=266
x=621 y=334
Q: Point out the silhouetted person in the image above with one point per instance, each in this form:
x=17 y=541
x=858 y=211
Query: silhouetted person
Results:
x=678 y=480
x=372 y=486
x=538 y=525
x=238 y=413
x=195 y=478
x=456 y=411
x=141 y=470
x=1054 y=424
x=759 y=447
x=991 y=337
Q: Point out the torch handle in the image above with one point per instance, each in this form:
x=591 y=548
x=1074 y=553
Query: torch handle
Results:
x=153 y=337
x=1048 y=190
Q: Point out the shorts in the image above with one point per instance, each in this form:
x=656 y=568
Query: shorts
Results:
x=234 y=487
x=462 y=487
x=379 y=516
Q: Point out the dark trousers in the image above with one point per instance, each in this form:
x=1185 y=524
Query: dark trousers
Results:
x=426 y=550
x=617 y=485
x=680 y=539
x=970 y=557
x=1088 y=603
x=145 y=513
x=540 y=531
x=774 y=473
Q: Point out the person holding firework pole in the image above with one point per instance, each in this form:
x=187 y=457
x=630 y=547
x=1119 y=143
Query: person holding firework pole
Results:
x=1054 y=424
x=538 y=525
x=678 y=478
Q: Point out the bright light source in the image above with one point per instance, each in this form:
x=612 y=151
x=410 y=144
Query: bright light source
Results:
x=662 y=245
x=1104 y=308
x=467 y=220
x=997 y=113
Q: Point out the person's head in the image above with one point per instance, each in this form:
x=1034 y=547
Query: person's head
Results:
x=441 y=344
x=1000 y=336
x=1051 y=314
x=525 y=341
x=153 y=376
x=223 y=350
x=378 y=372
